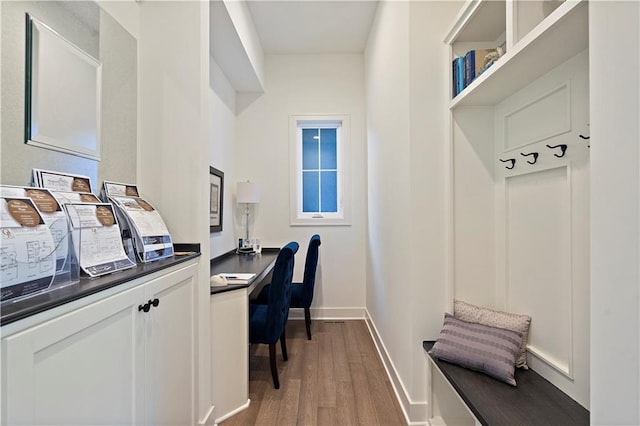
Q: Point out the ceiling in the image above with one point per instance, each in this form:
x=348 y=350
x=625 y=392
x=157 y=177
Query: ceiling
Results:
x=308 y=26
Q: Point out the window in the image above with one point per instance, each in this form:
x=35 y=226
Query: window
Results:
x=318 y=149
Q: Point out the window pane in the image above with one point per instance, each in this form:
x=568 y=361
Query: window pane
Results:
x=329 y=182
x=328 y=149
x=310 y=193
x=310 y=149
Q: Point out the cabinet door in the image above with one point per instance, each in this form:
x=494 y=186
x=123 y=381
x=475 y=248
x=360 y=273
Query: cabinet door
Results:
x=170 y=350
x=85 y=367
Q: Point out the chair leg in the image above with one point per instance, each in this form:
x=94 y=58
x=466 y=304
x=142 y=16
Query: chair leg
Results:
x=283 y=345
x=274 y=369
x=307 y=321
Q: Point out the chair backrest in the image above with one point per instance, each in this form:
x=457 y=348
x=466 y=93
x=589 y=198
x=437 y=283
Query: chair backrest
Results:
x=310 y=267
x=280 y=292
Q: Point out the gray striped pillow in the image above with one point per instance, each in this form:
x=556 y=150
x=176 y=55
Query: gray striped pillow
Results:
x=479 y=347
x=516 y=322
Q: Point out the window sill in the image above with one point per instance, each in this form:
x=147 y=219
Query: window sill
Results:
x=320 y=222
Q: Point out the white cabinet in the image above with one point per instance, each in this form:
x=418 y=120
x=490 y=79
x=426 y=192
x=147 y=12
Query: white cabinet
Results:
x=170 y=336
x=230 y=352
x=108 y=362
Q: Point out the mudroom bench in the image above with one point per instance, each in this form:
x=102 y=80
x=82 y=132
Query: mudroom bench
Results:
x=459 y=396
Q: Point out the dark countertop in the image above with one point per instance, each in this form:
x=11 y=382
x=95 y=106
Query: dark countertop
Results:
x=41 y=302
x=230 y=262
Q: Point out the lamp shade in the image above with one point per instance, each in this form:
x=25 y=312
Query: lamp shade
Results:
x=247 y=192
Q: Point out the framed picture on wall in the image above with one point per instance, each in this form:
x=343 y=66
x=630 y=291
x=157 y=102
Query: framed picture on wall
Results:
x=216 y=197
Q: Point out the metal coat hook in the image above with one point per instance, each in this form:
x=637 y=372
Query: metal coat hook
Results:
x=535 y=157
x=586 y=138
x=510 y=160
x=563 y=148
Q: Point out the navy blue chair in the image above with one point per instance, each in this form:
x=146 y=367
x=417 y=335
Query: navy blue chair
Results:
x=267 y=322
x=301 y=293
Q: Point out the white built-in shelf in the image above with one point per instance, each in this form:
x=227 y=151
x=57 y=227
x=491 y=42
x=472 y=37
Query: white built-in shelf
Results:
x=478 y=20
x=560 y=36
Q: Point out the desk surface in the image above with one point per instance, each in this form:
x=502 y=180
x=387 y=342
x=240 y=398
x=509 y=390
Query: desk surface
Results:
x=259 y=264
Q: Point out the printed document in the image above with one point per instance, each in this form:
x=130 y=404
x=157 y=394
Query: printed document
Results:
x=51 y=212
x=96 y=238
x=27 y=250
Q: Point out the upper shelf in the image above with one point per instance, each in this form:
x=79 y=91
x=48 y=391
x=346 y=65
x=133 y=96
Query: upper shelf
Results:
x=560 y=36
x=478 y=20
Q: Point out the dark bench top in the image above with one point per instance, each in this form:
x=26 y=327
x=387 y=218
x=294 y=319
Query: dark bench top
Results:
x=534 y=401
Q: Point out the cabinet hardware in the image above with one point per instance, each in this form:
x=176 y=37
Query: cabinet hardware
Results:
x=155 y=302
x=146 y=307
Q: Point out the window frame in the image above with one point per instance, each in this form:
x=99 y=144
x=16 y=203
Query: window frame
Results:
x=343 y=149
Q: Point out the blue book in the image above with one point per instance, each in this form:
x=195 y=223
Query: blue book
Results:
x=474 y=64
x=458 y=75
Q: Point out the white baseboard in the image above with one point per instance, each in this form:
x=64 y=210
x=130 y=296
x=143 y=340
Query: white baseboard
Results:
x=207 y=420
x=329 y=313
x=415 y=413
x=233 y=412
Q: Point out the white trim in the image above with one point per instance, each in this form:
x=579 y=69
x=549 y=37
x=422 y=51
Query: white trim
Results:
x=343 y=217
x=207 y=417
x=329 y=313
x=431 y=366
x=233 y=412
x=566 y=85
x=463 y=18
x=560 y=367
x=415 y=413
x=565 y=368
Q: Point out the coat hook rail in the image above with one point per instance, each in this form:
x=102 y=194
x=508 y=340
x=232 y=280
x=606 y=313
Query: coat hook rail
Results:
x=563 y=149
x=586 y=138
x=512 y=161
x=535 y=157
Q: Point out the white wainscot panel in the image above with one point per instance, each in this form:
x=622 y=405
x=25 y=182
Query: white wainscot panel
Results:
x=523 y=125
x=538 y=214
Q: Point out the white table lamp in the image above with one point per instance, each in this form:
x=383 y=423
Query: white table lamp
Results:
x=247 y=193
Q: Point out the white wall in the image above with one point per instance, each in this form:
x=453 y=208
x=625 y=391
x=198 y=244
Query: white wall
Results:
x=430 y=172
x=307 y=84
x=222 y=148
x=406 y=88
x=614 y=46
x=173 y=146
x=126 y=12
x=246 y=31
x=389 y=274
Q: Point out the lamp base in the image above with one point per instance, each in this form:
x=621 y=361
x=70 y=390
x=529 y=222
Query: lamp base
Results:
x=245 y=250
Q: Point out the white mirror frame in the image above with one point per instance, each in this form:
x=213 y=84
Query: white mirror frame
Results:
x=62 y=93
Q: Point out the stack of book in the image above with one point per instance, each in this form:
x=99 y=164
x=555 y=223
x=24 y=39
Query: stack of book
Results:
x=466 y=68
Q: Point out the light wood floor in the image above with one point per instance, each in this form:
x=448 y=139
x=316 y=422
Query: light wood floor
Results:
x=335 y=379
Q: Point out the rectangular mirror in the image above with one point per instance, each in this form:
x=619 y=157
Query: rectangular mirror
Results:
x=62 y=94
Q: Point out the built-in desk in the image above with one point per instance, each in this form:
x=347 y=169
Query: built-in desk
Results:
x=230 y=329
x=259 y=264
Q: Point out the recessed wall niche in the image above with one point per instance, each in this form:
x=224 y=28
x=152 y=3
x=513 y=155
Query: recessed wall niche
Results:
x=62 y=93
x=85 y=25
